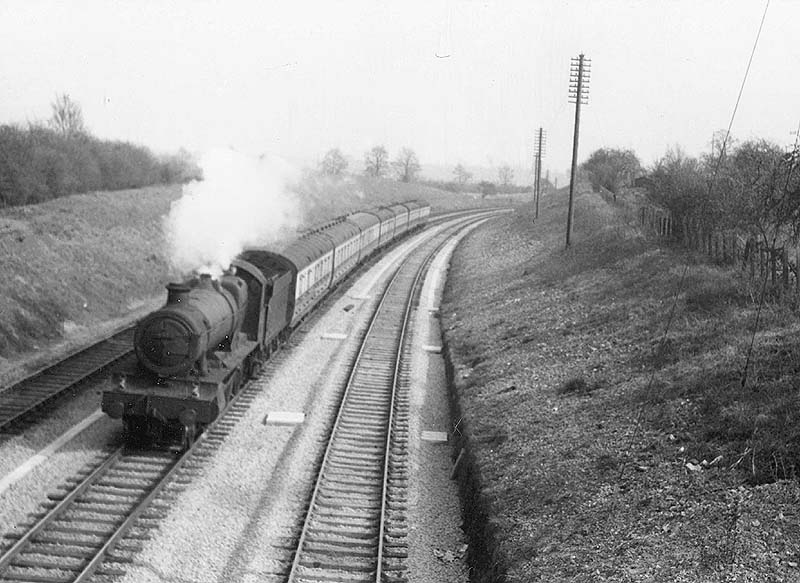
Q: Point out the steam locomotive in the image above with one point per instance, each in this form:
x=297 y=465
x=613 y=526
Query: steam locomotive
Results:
x=196 y=352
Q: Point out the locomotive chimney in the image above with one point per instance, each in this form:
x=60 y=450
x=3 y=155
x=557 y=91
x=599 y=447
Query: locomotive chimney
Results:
x=177 y=293
x=205 y=281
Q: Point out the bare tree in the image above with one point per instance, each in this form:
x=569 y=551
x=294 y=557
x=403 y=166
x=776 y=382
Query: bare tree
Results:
x=67 y=118
x=406 y=165
x=334 y=163
x=505 y=174
x=376 y=162
x=461 y=174
x=765 y=195
x=718 y=138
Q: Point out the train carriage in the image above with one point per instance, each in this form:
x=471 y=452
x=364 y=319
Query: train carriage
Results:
x=311 y=257
x=401 y=219
x=422 y=212
x=415 y=209
x=369 y=226
x=386 y=217
x=346 y=237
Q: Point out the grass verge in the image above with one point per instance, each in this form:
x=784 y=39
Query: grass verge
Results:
x=605 y=449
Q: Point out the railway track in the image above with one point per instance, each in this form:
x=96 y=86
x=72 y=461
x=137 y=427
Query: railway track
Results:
x=68 y=542
x=354 y=527
x=356 y=519
x=20 y=400
x=100 y=517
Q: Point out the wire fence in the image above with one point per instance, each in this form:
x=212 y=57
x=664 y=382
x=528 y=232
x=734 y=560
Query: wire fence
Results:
x=778 y=263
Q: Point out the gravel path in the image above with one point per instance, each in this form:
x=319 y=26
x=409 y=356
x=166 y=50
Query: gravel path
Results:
x=437 y=544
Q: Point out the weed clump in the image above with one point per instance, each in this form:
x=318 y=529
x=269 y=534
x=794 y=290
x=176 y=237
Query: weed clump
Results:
x=576 y=386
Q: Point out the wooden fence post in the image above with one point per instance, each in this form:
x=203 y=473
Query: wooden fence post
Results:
x=785 y=266
x=773 y=266
x=724 y=249
x=797 y=271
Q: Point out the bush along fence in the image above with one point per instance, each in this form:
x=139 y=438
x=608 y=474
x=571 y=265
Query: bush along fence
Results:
x=777 y=264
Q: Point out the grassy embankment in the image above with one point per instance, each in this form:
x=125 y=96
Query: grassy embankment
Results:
x=603 y=449
x=79 y=266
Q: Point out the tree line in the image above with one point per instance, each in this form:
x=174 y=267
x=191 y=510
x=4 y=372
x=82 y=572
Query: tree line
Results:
x=406 y=168
x=59 y=156
x=752 y=188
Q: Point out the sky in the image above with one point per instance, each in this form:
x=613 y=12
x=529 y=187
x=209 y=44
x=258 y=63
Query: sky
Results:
x=458 y=81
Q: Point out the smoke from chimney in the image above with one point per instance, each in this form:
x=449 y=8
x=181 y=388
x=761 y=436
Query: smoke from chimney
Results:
x=241 y=201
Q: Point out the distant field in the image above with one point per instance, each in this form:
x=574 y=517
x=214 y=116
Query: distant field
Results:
x=80 y=265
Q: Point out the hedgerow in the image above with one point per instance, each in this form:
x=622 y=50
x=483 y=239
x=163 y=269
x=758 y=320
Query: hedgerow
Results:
x=38 y=163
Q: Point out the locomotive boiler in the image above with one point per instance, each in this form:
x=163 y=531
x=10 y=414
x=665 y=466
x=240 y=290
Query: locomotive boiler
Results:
x=177 y=338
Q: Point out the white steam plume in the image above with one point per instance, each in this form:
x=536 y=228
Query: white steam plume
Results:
x=241 y=201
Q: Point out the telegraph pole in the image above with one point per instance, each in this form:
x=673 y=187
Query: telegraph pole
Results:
x=579 y=92
x=538 y=151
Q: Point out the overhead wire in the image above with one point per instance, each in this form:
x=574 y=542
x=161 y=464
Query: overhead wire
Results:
x=739 y=97
x=681 y=281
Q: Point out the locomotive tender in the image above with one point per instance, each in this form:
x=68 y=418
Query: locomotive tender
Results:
x=193 y=354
